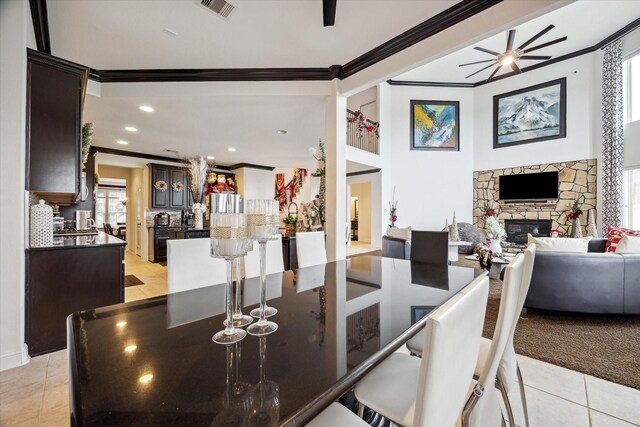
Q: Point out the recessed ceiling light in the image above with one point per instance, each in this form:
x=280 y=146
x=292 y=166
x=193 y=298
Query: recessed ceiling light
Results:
x=281 y=131
x=169 y=32
x=130 y=129
x=121 y=324
x=131 y=348
x=231 y=149
x=145 y=378
x=210 y=158
x=121 y=142
x=147 y=109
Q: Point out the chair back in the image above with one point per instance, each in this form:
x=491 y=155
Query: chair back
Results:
x=275 y=259
x=310 y=248
x=452 y=343
x=485 y=410
x=509 y=364
x=190 y=265
x=430 y=247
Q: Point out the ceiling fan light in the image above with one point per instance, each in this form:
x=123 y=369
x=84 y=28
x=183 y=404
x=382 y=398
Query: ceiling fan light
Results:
x=506 y=59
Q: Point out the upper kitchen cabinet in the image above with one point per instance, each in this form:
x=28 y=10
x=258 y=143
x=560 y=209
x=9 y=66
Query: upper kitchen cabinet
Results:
x=169 y=187
x=55 y=96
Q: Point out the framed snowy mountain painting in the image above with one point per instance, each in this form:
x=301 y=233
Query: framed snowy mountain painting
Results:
x=435 y=125
x=536 y=113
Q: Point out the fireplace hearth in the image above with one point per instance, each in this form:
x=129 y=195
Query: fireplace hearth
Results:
x=517 y=229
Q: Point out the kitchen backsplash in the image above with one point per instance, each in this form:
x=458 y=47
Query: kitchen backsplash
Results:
x=149 y=215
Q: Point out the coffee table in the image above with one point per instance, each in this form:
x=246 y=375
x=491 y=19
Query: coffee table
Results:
x=453 y=249
x=497 y=264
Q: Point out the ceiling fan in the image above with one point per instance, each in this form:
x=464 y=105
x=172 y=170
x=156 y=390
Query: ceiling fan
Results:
x=510 y=56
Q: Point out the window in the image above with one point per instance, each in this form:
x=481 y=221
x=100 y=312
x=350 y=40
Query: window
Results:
x=631 y=199
x=631 y=82
x=111 y=206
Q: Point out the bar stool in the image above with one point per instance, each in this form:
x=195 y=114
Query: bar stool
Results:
x=431 y=392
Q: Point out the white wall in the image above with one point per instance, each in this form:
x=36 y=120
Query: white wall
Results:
x=430 y=185
x=365 y=101
x=14 y=28
x=255 y=183
x=578 y=143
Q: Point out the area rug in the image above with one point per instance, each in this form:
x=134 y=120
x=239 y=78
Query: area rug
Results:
x=131 y=280
x=604 y=346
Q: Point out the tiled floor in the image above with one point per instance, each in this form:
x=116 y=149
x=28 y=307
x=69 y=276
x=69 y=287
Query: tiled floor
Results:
x=359 y=248
x=37 y=394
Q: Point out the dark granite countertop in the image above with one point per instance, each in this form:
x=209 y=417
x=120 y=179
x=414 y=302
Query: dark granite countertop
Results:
x=74 y=242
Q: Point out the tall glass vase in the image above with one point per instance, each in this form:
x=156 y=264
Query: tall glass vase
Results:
x=229 y=241
x=262 y=219
x=576 y=228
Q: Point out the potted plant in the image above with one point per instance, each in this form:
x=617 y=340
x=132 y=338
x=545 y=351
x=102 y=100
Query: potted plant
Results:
x=290 y=225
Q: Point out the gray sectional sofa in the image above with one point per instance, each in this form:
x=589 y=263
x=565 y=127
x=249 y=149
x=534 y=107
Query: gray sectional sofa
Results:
x=592 y=282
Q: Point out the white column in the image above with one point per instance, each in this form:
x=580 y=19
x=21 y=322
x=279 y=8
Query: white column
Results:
x=386 y=180
x=336 y=173
x=13 y=78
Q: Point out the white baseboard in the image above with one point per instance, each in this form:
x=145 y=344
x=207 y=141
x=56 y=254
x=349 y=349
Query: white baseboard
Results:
x=9 y=361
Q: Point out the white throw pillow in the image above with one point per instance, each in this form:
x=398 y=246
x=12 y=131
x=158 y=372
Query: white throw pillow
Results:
x=399 y=233
x=559 y=244
x=628 y=245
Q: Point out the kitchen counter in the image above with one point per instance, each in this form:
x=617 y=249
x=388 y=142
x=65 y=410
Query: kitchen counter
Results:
x=74 y=242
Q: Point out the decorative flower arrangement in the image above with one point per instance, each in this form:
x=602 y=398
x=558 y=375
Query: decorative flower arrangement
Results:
x=575 y=212
x=160 y=185
x=177 y=187
x=291 y=219
x=87 y=136
x=485 y=255
x=361 y=120
x=487 y=211
x=494 y=230
x=198 y=170
x=393 y=209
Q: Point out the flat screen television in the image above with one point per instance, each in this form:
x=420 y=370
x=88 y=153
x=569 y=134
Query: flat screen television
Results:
x=528 y=186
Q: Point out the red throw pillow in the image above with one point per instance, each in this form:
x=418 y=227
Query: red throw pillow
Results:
x=615 y=234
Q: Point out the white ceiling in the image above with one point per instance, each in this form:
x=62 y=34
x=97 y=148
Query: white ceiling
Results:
x=585 y=23
x=208 y=125
x=128 y=34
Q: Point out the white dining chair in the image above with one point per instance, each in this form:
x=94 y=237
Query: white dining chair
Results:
x=310 y=248
x=483 y=407
x=509 y=369
x=337 y=415
x=275 y=259
x=190 y=265
x=431 y=392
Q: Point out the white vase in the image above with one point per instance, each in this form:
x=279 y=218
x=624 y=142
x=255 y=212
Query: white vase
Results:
x=197 y=220
x=495 y=246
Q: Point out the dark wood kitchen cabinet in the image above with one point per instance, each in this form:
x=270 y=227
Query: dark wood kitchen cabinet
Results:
x=55 y=96
x=176 y=193
x=65 y=280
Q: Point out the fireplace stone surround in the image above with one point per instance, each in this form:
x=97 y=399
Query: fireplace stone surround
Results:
x=575 y=178
x=517 y=229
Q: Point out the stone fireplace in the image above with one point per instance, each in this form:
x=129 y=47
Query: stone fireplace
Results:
x=517 y=229
x=576 y=178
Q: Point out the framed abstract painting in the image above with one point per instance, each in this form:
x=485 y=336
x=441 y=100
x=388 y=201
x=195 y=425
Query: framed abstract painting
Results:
x=435 y=125
x=536 y=113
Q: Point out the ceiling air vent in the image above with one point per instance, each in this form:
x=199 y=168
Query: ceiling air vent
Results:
x=222 y=8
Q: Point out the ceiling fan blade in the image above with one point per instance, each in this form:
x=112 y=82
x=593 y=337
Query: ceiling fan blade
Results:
x=494 y=72
x=511 y=37
x=329 y=12
x=540 y=46
x=477 y=62
x=481 y=49
x=536 y=37
x=541 y=58
x=515 y=67
x=482 y=69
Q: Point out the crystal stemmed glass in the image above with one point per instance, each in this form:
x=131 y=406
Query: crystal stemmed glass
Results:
x=266 y=395
x=228 y=241
x=262 y=221
x=236 y=400
x=239 y=319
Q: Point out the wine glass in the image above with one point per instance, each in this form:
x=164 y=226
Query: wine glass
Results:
x=229 y=241
x=262 y=222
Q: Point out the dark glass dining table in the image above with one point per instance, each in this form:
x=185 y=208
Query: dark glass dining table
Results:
x=152 y=362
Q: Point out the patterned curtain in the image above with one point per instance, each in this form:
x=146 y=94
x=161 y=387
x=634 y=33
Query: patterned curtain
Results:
x=612 y=136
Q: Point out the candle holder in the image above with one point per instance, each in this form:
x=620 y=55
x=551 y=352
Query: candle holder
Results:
x=262 y=221
x=229 y=240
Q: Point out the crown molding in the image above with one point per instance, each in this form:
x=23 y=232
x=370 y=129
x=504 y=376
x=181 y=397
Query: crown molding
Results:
x=251 y=166
x=40 y=20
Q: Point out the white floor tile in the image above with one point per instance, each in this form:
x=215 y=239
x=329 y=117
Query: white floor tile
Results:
x=599 y=419
x=547 y=410
x=553 y=379
x=613 y=399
